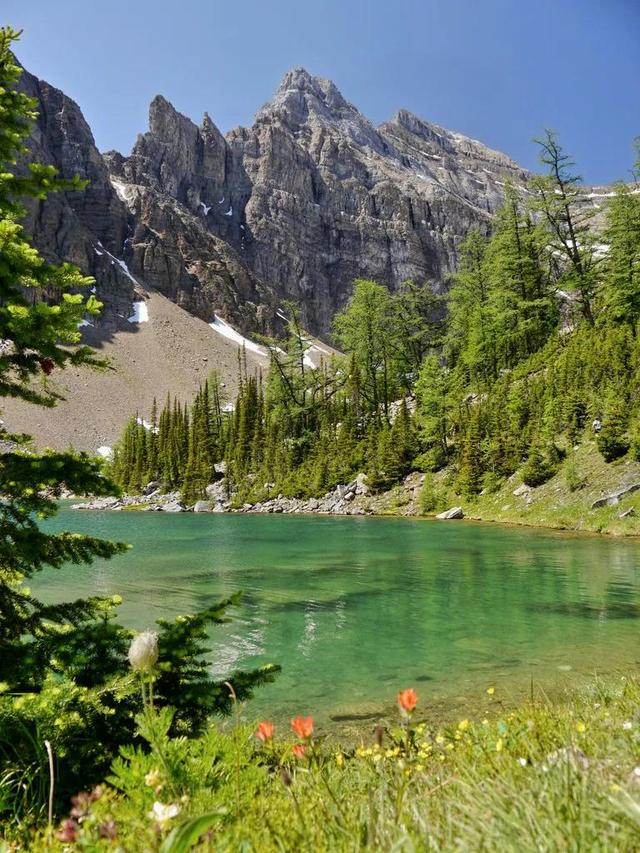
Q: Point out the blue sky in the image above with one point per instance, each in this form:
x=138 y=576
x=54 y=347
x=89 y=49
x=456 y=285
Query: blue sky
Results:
x=497 y=70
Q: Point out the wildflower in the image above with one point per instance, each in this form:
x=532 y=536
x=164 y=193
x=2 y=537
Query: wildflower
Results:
x=407 y=701
x=499 y=744
x=108 y=830
x=302 y=727
x=580 y=727
x=522 y=762
x=299 y=751
x=264 y=732
x=152 y=778
x=163 y=814
x=463 y=725
x=143 y=651
x=491 y=690
x=439 y=740
x=627 y=725
x=68 y=831
x=636 y=772
x=339 y=759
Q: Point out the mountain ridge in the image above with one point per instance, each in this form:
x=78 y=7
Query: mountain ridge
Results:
x=297 y=205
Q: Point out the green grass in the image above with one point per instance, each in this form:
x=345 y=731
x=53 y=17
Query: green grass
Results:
x=545 y=776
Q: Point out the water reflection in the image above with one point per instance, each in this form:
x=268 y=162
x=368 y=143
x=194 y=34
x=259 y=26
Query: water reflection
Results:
x=354 y=608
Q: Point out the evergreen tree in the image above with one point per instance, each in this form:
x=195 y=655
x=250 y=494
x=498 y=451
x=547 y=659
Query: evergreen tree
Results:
x=559 y=199
x=621 y=285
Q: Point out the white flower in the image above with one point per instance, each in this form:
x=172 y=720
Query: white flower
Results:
x=522 y=762
x=636 y=772
x=163 y=814
x=627 y=725
x=143 y=651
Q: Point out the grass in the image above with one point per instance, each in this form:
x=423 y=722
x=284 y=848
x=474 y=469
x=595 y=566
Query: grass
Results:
x=546 y=776
x=563 y=502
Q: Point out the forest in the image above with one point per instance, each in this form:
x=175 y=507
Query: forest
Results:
x=534 y=340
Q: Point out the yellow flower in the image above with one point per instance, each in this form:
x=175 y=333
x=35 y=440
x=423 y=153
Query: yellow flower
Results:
x=491 y=690
x=463 y=725
x=499 y=744
x=614 y=788
x=580 y=727
x=449 y=746
x=339 y=759
x=439 y=739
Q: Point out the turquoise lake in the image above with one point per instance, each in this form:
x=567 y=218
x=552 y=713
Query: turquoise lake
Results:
x=354 y=609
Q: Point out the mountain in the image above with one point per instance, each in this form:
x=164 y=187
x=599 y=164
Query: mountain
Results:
x=312 y=195
x=298 y=205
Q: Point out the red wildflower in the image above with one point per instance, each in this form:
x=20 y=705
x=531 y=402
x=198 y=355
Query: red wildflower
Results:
x=299 y=750
x=407 y=701
x=264 y=732
x=302 y=727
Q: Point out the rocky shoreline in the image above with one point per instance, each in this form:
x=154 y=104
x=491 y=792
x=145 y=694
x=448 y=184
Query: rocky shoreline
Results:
x=348 y=499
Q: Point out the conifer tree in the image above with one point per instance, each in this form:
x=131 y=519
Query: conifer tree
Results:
x=621 y=285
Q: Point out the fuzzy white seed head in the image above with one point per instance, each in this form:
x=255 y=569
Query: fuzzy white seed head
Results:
x=143 y=651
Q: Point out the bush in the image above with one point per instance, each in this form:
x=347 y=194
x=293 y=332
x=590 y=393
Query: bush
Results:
x=537 y=469
x=612 y=440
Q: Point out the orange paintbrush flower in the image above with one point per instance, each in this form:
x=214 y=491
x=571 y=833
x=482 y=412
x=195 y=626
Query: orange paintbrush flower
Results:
x=264 y=732
x=407 y=701
x=299 y=751
x=302 y=727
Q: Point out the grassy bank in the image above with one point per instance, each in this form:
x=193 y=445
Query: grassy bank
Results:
x=564 y=502
x=547 y=776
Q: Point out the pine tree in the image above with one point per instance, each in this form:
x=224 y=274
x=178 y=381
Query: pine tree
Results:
x=621 y=285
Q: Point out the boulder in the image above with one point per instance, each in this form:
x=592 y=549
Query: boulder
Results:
x=628 y=513
x=523 y=489
x=151 y=487
x=361 y=484
x=615 y=497
x=454 y=512
x=202 y=506
x=172 y=506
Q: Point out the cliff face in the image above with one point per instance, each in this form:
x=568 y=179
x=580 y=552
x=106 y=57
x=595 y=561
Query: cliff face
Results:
x=307 y=199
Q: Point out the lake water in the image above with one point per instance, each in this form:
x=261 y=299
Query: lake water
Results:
x=354 y=609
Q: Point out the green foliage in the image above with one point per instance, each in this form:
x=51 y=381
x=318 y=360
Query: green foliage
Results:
x=545 y=775
x=612 y=440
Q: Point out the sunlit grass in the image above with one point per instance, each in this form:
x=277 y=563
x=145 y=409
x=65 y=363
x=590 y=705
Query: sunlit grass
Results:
x=546 y=776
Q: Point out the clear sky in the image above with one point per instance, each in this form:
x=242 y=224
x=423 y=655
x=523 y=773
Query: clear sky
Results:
x=497 y=70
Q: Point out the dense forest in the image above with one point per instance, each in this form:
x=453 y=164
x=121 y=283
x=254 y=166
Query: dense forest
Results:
x=535 y=338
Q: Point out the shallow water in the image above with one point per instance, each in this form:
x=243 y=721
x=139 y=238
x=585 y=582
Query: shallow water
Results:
x=355 y=608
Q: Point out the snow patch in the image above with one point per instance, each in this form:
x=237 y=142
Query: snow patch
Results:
x=205 y=207
x=140 y=313
x=223 y=328
x=230 y=211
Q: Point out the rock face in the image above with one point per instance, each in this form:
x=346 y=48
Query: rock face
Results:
x=307 y=199
x=310 y=197
x=86 y=228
